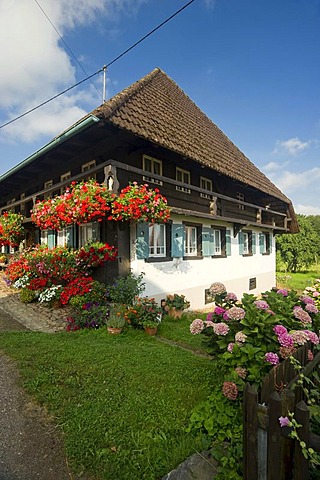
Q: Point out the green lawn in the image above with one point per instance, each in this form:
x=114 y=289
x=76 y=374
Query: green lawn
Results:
x=122 y=402
x=298 y=281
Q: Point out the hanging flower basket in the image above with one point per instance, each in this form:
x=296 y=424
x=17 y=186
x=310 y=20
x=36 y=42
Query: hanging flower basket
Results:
x=141 y=204
x=11 y=229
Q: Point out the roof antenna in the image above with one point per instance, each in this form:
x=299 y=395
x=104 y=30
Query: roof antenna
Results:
x=104 y=83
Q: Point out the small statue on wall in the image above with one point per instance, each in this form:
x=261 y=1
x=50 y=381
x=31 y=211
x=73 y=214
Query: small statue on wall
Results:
x=110 y=178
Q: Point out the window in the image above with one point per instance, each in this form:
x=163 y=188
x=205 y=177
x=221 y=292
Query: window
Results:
x=152 y=166
x=217 y=242
x=184 y=177
x=265 y=243
x=48 y=237
x=240 y=197
x=190 y=246
x=87 y=166
x=47 y=185
x=157 y=240
x=247 y=242
x=206 y=183
x=66 y=237
x=90 y=232
x=63 y=177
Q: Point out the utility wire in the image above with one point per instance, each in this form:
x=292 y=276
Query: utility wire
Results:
x=101 y=69
x=65 y=43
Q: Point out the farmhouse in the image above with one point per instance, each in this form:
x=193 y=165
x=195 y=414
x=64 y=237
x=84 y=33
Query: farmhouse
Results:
x=224 y=210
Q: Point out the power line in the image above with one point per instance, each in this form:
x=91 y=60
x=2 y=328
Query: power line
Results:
x=101 y=69
x=65 y=43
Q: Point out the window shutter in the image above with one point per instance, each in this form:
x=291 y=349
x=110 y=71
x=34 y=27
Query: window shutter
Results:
x=261 y=242
x=71 y=236
x=142 y=245
x=228 y=242
x=51 y=239
x=207 y=241
x=270 y=242
x=241 y=243
x=253 y=240
x=177 y=240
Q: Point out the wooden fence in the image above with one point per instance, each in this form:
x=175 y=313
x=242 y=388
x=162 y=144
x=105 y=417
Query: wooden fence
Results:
x=268 y=451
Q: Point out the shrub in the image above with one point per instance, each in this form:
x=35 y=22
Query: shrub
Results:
x=28 y=296
x=125 y=289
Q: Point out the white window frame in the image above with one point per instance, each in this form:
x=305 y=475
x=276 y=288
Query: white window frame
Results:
x=157 y=233
x=206 y=183
x=217 y=242
x=153 y=162
x=187 y=180
x=89 y=232
x=246 y=245
x=264 y=249
x=190 y=242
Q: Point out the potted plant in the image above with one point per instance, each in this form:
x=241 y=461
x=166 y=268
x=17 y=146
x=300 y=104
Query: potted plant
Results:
x=145 y=313
x=175 y=304
x=116 y=319
x=150 y=327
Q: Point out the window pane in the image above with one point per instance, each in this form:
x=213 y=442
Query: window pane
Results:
x=191 y=241
x=217 y=242
x=156 y=168
x=157 y=247
x=245 y=243
x=147 y=164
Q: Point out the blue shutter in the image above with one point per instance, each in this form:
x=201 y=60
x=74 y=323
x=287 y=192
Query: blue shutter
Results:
x=51 y=238
x=241 y=243
x=228 y=242
x=207 y=242
x=177 y=233
x=253 y=240
x=142 y=245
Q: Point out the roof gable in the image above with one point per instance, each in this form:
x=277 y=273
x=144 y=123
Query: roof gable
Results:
x=156 y=109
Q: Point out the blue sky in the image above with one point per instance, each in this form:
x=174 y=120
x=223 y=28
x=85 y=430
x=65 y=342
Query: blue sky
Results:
x=253 y=67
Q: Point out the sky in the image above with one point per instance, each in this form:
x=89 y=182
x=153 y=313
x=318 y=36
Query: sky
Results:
x=251 y=66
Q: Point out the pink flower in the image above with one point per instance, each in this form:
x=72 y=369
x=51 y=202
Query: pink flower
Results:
x=286 y=352
x=235 y=313
x=261 y=304
x=284 y=421
x=209 y=317
x=230 y=390
x=209 y=323
x=219 y=310
x=310 y=308
x=240 y=337
x=299 y=337
x=301 y=315
x=230 y=347
x=310 y=356
x=220 y=328
x=241 y=371
x=305 y=299
x=312 y=337
x=279 y=330
x=272 y=358
x=283 y=292
x=315 y=294
x=217 y=288
x=196 y=326
x=285 y=340
x=231 y=297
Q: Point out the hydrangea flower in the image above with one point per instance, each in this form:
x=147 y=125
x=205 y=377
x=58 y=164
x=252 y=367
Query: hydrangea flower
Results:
x=301 y=315
x=311 y=308
x=261 y=304
x=221 y=328
x=231 y=297
x=272 y=358
x=196 y=326
x=286 y=352
x=283 y=292
x=234 y=313
x=230 y=390
x=280 y=329
x=209 y=317
x=312 y=337
x=284 y=421
x=219 y=310
x=217 y=288
x=209 y=323
x=240 y=337
x=310 y=356
x=230 y=347
x=305 y=299
x=299 y=337
x=241 y=371
x=285 y=340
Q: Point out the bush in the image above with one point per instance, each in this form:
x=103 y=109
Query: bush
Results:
x=28 y=296
x=126 y=289
x=96 y=296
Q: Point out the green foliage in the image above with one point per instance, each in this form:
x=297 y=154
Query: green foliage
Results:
x=27 y=296
x=300 y=250
x=125 y=289
x=97 y=294
x=93 y=316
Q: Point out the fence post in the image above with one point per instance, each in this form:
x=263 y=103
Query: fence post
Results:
x=250 y=433
x=274 y=434
x=286 y=444
x=301 y=464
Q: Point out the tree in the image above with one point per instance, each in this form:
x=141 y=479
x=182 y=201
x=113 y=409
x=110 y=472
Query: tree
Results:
x=299 y=251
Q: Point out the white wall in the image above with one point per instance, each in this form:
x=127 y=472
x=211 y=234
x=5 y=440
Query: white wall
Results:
x=192 y=277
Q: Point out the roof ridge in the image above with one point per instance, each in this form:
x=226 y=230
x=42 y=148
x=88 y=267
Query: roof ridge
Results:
x=119 y=99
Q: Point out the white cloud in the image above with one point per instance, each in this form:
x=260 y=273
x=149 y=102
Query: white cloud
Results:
x=272 y=166
x=35 y=66
x=291 y=181
x=307 y=210
x=293 y=146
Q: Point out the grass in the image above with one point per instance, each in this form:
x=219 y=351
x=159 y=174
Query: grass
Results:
x=298 y=281
x=122 y=402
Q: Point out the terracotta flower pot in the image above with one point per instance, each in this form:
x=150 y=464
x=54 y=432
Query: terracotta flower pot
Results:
x=114 y=330
x=151 y=330
x=175 y=313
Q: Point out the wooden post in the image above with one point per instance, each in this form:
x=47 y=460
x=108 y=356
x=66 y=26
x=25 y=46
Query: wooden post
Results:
x=274 y=434
x=301 y=464
x=250 y=433
x=286 y=444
